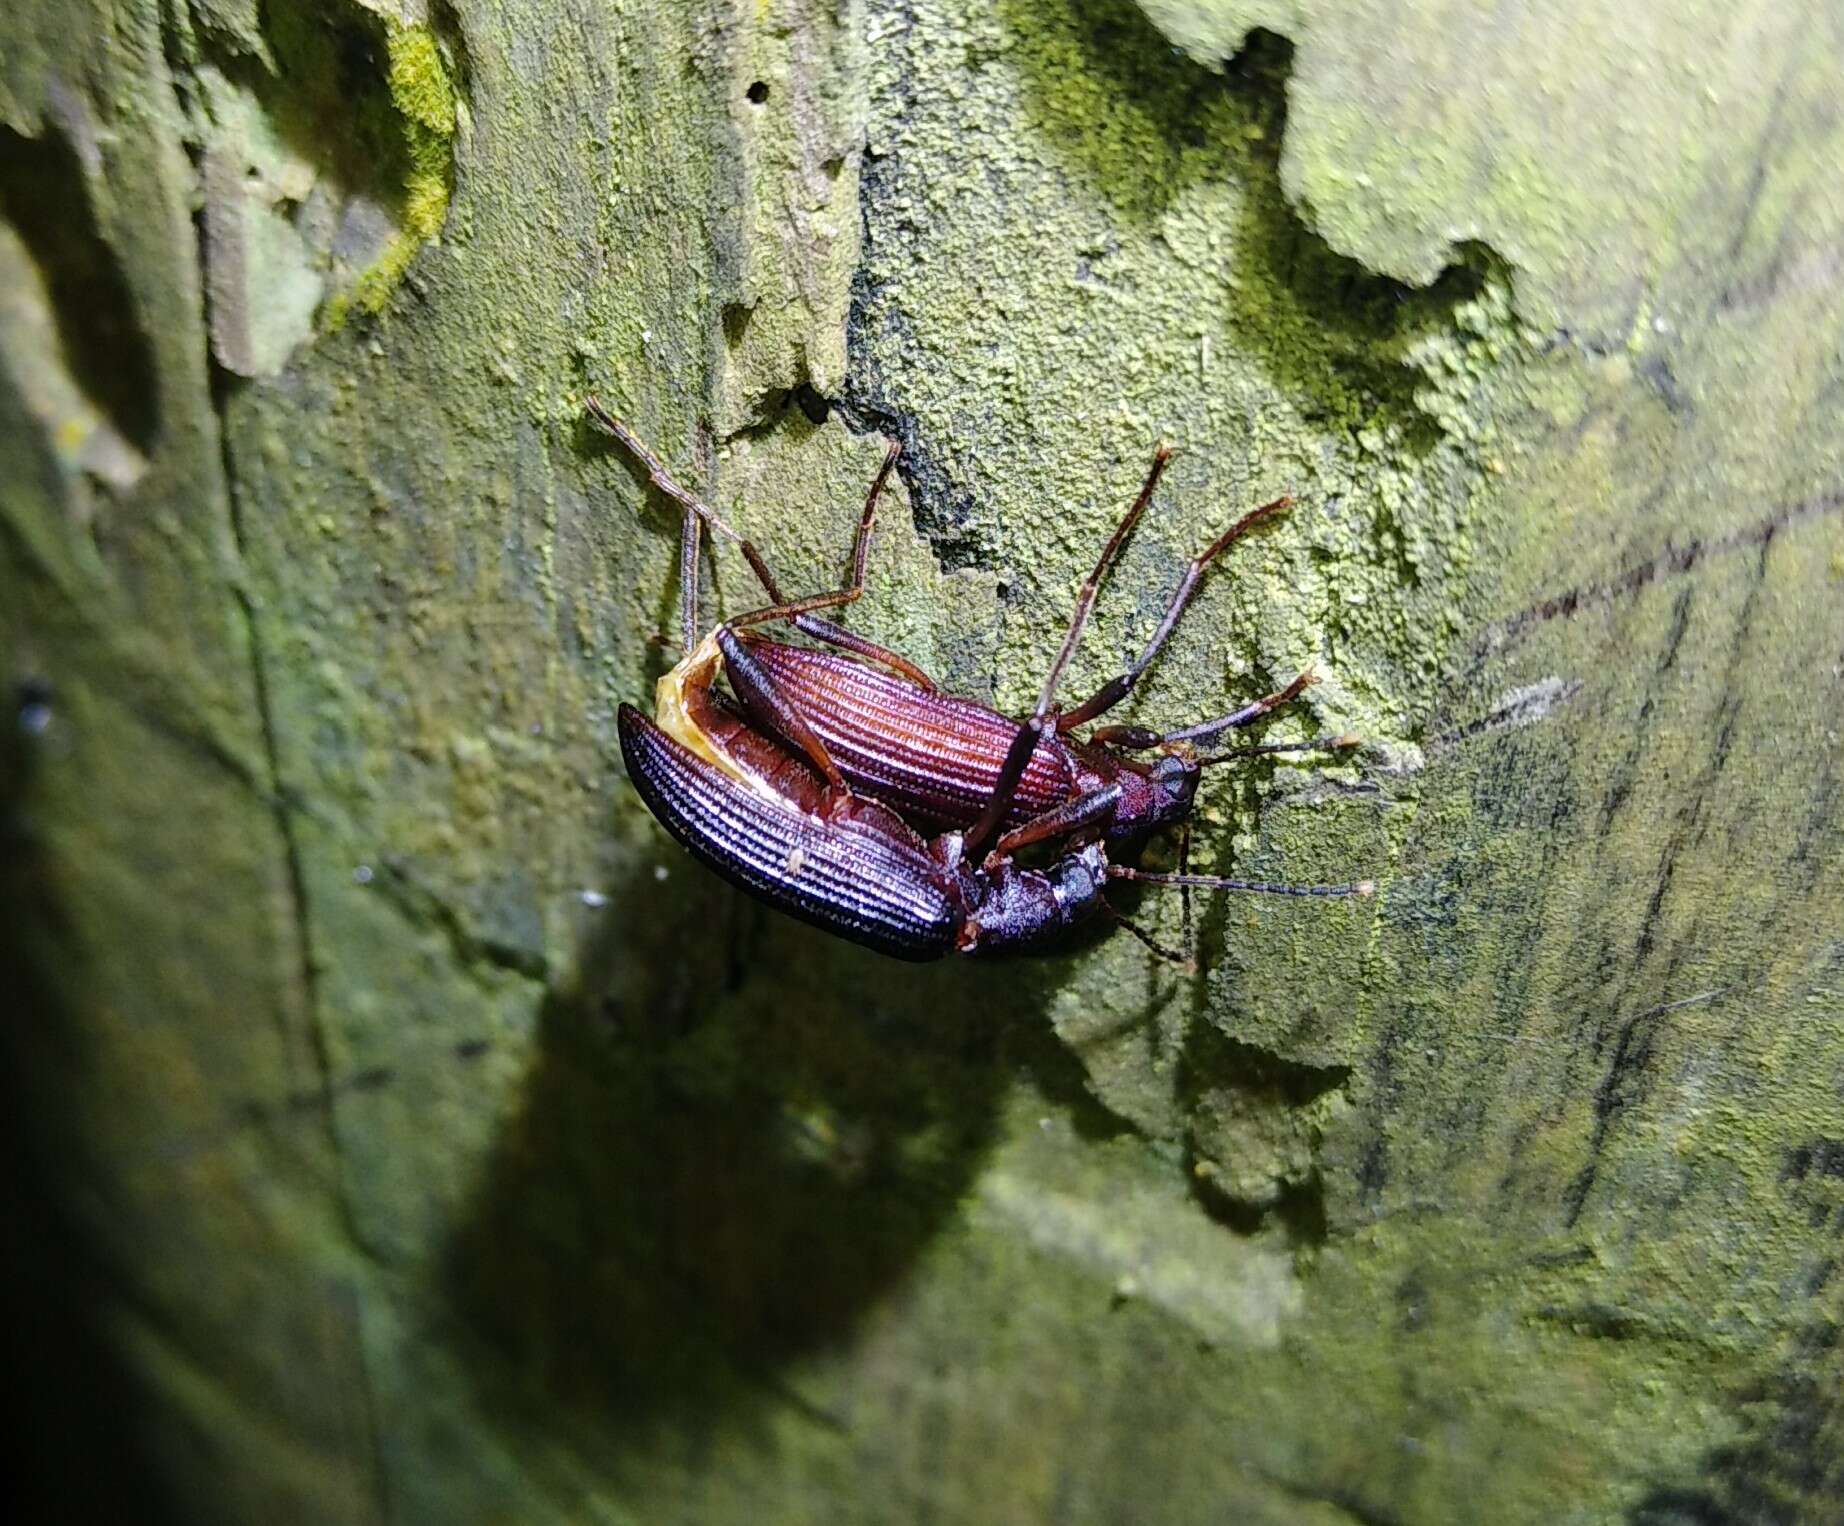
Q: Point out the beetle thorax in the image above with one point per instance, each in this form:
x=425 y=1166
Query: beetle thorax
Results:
x=1010 y=908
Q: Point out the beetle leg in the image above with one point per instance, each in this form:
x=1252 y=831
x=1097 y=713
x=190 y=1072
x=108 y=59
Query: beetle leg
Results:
x=1247 y=715
x=792 y=609
x=1184 y=892
x=1085 y=600
x=759 y=692
x=1184 y=961
x=1126 y=738
x=1095 y=809
x=1119 y=687
x=861 y=542
x=999 y=803
x=687 y=500
x=836 y=635
x=698 y=512
x=849 y=641
x=690 y=529
x=657 y=473
x=1031 y=730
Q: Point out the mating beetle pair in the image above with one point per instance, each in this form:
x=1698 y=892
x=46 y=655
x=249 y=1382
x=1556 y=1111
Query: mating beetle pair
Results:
x=808 y=787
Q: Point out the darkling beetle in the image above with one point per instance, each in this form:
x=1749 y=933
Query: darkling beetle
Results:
x=808 y=789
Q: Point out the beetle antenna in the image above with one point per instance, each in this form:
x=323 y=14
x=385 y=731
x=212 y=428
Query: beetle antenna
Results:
x=1267 y=749
x=1213 y=882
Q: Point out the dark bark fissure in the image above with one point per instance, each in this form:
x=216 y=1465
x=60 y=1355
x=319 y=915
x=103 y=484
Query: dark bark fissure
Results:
x=308 y=956
x=1672 y=561
x=1625 y=1082
x=301 y=925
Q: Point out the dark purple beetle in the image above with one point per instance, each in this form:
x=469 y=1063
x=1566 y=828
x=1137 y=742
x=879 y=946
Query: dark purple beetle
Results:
x=854 y=867
x=799 y=791
x=851 y=865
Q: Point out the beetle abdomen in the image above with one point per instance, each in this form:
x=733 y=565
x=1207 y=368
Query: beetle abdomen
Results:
x=865 y=876
x=935 y=758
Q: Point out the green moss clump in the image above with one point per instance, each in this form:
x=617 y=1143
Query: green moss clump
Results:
x=422 y=103
x=419 y=81
x=423 y=92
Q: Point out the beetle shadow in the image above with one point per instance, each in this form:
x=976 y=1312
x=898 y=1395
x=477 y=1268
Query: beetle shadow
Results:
x=736 y=1136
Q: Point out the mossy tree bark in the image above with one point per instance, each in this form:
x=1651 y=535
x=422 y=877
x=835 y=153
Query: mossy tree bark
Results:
x=406 y=1129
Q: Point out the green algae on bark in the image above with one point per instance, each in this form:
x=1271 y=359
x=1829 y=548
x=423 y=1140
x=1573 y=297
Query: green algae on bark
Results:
x=328 y=141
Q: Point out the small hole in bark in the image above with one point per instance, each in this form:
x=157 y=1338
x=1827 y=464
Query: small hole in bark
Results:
x=758 y=92
x=812 y=403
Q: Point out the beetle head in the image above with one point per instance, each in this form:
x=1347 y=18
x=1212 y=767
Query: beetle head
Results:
x=1174 y=788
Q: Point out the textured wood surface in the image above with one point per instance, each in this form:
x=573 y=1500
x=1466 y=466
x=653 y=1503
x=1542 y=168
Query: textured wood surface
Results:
x=406 y=1130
